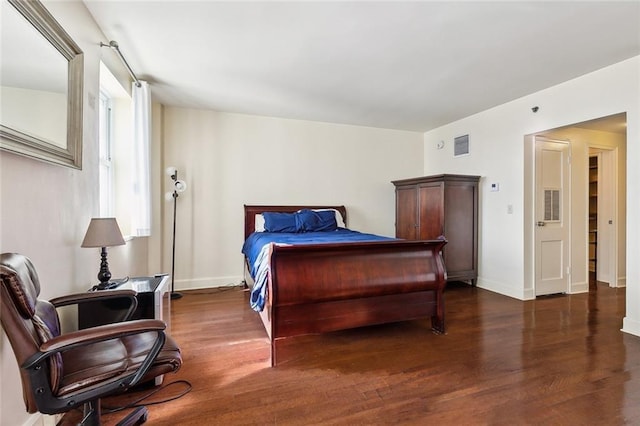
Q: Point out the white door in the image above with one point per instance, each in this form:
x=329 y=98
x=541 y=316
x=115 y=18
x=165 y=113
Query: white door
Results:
x=552 y=216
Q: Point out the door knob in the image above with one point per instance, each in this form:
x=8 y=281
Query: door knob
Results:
x=540 y=223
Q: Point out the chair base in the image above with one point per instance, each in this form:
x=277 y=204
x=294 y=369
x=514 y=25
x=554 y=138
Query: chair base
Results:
x=92 y=415
x=136 y=417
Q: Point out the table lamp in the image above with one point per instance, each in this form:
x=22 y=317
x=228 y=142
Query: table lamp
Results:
x=103 y=232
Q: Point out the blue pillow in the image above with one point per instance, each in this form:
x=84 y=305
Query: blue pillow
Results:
x=279 y=222
x=316 y=221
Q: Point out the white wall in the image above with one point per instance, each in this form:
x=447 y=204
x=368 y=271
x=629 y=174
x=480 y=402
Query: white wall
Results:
x=229 y=160
x=497 y=153
x=45 y=209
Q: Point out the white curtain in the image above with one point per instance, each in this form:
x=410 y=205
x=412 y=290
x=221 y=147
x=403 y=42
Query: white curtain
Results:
x=141 y=205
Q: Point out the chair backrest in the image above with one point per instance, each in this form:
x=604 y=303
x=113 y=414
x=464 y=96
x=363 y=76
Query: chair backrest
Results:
x=26 y=320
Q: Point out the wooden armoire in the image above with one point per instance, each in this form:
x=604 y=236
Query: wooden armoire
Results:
x=442 y=205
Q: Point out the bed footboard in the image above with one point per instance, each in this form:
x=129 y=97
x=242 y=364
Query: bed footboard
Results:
x=328 y=287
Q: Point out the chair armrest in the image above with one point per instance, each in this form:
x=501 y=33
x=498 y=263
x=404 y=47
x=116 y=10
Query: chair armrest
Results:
x=39 y=377
x=92 y=296
x=99 y=334
x=73 y=299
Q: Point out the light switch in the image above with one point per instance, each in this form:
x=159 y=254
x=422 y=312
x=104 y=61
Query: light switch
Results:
x=495 y=187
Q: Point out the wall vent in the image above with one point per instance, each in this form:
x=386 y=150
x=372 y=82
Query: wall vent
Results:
x=461 y=145
x=552 y=205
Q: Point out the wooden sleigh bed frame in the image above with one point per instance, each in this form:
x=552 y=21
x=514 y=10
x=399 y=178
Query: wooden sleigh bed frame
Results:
x=318 y=288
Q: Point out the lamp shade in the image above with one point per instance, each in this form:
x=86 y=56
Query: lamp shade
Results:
x=103 y=232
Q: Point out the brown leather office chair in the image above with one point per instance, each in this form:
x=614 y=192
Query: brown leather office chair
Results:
x=60 y=372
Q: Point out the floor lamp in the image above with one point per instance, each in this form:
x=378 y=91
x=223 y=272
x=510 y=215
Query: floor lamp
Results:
x=178 y=187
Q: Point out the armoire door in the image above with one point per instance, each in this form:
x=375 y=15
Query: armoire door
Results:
x=431 y=207
x=406 y=213
x=460 y=227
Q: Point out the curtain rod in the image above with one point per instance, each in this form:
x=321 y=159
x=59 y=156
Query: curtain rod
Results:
x=114 y=45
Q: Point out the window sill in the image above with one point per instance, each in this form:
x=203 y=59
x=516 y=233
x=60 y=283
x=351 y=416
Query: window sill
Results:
x=128 y=238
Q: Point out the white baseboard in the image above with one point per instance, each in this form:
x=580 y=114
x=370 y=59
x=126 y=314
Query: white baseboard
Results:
x=209 y=282
x=631 y=326
x=582 y=287
x=622 y=281
x=39 y=419
x=524 y=294
x=505 y=290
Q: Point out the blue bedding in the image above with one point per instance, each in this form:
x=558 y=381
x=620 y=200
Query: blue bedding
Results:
x=257 y=251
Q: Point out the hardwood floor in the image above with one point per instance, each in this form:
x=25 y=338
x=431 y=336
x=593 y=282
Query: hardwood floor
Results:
x=556 y=360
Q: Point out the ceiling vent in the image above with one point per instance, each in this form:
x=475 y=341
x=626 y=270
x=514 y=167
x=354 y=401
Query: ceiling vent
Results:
x=461 y=145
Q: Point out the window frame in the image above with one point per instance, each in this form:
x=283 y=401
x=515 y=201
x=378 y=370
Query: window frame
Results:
x=106 y=146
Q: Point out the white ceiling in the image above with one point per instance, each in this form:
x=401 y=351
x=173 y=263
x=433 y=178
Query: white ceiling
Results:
x=399 y=65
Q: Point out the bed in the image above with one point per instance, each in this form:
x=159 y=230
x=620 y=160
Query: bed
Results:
x=321 y=287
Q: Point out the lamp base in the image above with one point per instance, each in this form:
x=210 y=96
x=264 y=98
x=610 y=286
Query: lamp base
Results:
x=105 y=286
x=104 y=276
x=109 y=285
x=175 y=295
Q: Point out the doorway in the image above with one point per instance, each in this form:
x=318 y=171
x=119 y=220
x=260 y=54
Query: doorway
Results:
x=605 y=139
x=594 y=179
x=604 y=218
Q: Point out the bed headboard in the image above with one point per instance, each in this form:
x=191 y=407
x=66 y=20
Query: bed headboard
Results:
x=250 y=213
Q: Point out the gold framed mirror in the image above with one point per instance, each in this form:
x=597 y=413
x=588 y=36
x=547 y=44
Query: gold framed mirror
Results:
x=41 y=75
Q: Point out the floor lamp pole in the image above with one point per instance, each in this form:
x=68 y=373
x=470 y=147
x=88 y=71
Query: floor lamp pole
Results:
x=174 y=295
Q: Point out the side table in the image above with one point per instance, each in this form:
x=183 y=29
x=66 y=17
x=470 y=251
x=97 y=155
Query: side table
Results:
x=154 y=302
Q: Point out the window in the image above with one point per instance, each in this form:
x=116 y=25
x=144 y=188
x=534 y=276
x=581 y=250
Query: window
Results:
x=106 y=155
x=114 y=159
x=124 y=154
